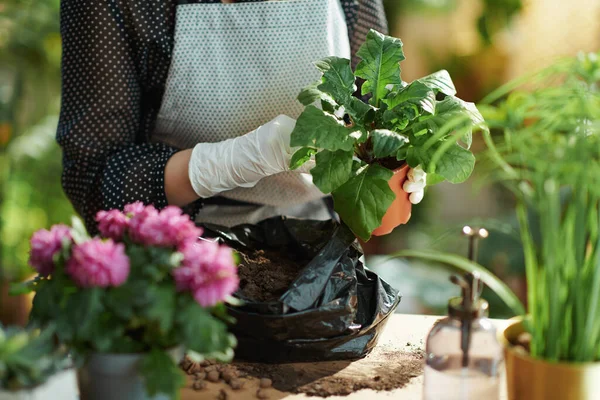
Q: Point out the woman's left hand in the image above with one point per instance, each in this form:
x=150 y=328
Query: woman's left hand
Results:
x=415 y=183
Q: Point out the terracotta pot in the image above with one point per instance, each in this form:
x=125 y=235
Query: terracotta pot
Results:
x=400 y=210
x=534 y=379
x=14 y=310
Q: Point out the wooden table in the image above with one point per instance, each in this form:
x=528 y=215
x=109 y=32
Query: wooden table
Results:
x=403 y=333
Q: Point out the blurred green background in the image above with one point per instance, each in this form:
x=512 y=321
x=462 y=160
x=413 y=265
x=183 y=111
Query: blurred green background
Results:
x=483 y=43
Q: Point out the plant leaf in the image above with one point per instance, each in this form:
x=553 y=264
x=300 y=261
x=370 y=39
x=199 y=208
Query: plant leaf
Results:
x=301 y=156
x=434 y=179
x=360 y=112
x=338 y=79
x=202 y=332
x=456 y=164
x=416 y=93
x=364 y=199
x=78 y=231
x=162 y=306
x=386 y=143
x=333 y=169
x=446 y=112
x=161 y=374
x=380 y=65
x=310 y=94
x=440 y=81
x=315 y=128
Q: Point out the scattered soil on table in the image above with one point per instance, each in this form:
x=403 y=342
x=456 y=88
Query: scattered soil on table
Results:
x=266 y=274
x=393 y=370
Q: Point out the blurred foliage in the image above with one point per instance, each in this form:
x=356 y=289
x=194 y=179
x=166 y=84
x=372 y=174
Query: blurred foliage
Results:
x=495 y=15
x=31 y=196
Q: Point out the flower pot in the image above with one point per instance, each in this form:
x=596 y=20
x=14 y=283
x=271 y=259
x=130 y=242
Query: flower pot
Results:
x=400 y=210
x=61 y=386
x=534 y=379
x=116 y=377
x=14 y=310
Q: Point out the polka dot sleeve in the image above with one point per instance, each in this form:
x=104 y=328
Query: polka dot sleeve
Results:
x=115 y=61
x=106 y=109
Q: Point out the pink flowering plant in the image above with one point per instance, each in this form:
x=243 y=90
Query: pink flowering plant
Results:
x=147 y=283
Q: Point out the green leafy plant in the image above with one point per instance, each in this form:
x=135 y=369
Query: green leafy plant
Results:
x=146 y=285
x=546 y=151
x=28 y=357
x=357 y=145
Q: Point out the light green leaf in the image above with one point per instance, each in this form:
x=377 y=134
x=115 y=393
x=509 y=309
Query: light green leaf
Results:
x=447 y=112
x=315 y=128
x=161 y=375
x=338 y=79
x=416 y=93
x=386 y=143
x=434 y=179
x=301 y=156
x=333 y=169
x=364 y=199
x=78 y=231
x=380 y=65
x=440 y=81
x=456 y=164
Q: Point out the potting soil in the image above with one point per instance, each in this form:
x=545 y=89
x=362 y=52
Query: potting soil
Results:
x=265 y=274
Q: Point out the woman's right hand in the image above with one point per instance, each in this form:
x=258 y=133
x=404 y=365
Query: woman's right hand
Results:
x=243 y=161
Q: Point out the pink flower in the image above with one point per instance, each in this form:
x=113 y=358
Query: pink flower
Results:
x=169 y=228
x=98 y=263
x=134 y=208
x=44 y=245
x=112 y=224
x=138 y=219
x=208 y=271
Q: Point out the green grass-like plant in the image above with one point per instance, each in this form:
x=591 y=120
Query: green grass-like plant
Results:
x=544 y=147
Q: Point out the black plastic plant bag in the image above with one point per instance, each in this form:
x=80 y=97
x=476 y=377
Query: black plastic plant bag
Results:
x=335 y=309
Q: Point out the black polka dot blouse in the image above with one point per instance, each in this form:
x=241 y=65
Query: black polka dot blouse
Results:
x=116 y=56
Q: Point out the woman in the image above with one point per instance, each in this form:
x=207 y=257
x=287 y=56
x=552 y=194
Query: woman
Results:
x=192 y=103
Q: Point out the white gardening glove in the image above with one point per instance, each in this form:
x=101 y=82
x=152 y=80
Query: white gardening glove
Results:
x=415 y=183
x=243 y=161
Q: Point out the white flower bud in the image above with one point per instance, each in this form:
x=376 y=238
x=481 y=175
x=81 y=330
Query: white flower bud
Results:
x=416 y=197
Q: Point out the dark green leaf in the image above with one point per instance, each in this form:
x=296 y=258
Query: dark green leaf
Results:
x=338 y=79
x=301 y=156
x=162 y=306
x=20 y=288
x=416 y=93
x=310 y=94
x=440 y=81
x=386 y=143
x=161 y=374
x=360 y=112
x=333 y=169
x=315 y=128
x=202 y=332
x=363 y=200
x=380 y=65
x=84 y=310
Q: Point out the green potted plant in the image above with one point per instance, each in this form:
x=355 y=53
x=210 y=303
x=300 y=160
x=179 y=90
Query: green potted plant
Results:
x=129 y=302
x=546 y=150
x=33 y=367
x=363 y=150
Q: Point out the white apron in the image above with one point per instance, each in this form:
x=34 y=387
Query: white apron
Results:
x=237 y=66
